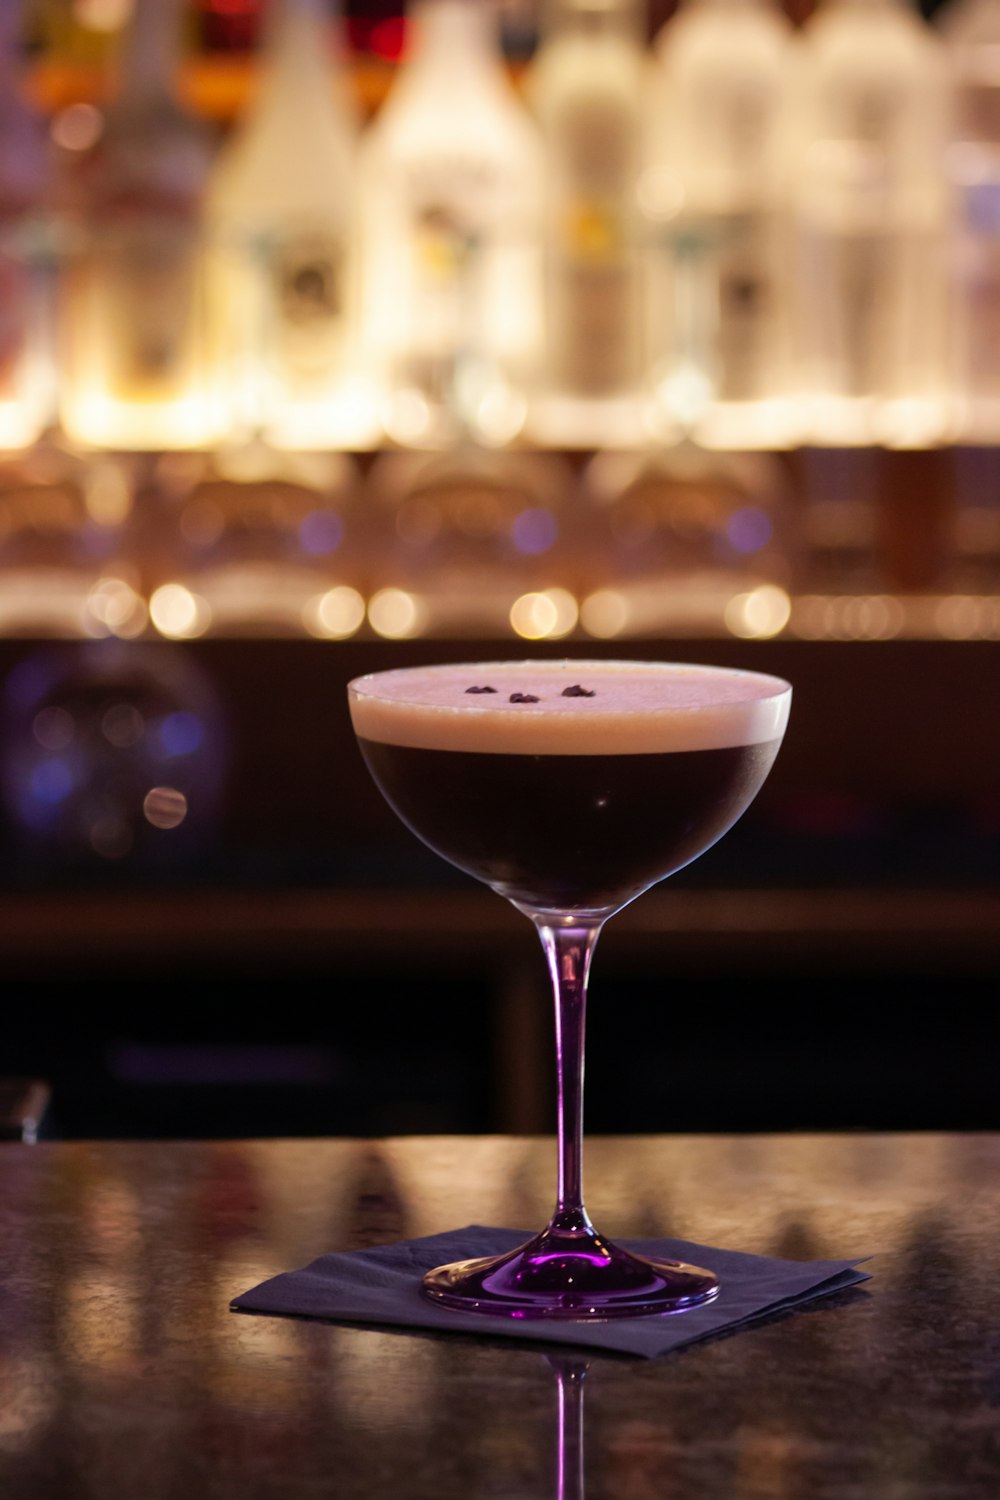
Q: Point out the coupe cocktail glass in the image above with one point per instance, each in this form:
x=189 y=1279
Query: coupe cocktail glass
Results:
x=570 y=787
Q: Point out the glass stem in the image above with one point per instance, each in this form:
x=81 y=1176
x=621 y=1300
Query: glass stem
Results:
x=570 y=1375
x=569 y=948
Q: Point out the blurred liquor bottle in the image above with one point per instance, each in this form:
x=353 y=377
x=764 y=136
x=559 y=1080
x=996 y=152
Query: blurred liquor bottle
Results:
x=588 y=89
x=870 y=206
x=74 y=34
x=228 y=26
x=971 y=29
x=26 y=354
x=281 y=223
x=715 y=187
x=136 y=369
x=450 y=188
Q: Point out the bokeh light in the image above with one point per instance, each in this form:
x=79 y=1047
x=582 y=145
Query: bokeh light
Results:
x=114 y=608
x=77 y=127
x=53 y=728
x=335 y=615
x=105 y=743
x=759 y=614
x=534 y=531
x=848 y=617
x=544 y=616
x=165 y=807
x=604 y=614
x=181 y=733
x=320 y=533
x=749 y=529
x=103 y=15
x=968 y=617
x=122 y=725
x=395 y=614
x=178 y=613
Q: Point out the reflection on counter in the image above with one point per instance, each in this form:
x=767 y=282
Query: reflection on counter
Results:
x=119 y=1314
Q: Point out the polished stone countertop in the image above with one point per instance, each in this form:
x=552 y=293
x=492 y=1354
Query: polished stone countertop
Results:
x=123 y=1373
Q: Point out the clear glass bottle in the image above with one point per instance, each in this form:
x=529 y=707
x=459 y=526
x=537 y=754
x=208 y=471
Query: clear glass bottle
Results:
x=971 y=30
x=280 y=214
x=588 y=88
x=26 y=354
x=715 y=186
x=870 y=207
x=136 y=364
x=451 y=200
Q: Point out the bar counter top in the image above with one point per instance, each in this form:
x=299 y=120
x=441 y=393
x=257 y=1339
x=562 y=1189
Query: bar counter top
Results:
x=123 y=1373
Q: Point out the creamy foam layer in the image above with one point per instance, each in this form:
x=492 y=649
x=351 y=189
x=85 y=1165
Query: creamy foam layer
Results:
x=637 y=708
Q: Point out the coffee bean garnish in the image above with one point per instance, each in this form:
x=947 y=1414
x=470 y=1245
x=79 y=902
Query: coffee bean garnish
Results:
x=480 y=690
x=523 y=698
x=576 y=691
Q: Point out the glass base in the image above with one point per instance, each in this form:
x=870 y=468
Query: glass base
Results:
x=574 y=1275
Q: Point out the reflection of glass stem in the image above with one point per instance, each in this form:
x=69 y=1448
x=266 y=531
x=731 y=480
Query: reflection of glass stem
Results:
x=570 y=1372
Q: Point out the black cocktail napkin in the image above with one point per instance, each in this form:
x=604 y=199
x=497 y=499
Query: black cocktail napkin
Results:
x=382 y=1287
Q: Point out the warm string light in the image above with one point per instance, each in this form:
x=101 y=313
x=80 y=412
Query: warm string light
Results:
x=177 y=613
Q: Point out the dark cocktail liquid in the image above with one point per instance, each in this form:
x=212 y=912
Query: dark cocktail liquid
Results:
x=569 y=831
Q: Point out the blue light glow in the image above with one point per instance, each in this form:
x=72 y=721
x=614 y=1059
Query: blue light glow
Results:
x=51 y=781
x=182 y=733
x=321 y=531
x=749 y=529
x=534 y=531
